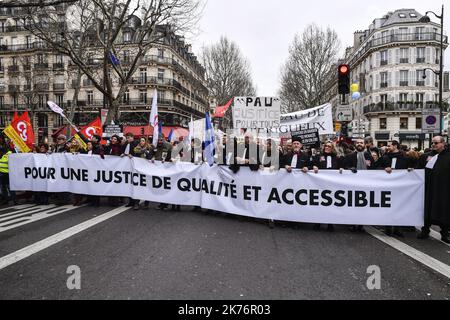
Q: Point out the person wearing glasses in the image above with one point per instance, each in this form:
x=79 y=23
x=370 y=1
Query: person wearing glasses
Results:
x=437 y=189
x=327 y=160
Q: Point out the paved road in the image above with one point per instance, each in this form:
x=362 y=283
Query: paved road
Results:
x=189 y=255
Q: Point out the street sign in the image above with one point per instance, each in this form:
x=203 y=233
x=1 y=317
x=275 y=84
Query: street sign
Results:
x=344 y=113
x=431 y=121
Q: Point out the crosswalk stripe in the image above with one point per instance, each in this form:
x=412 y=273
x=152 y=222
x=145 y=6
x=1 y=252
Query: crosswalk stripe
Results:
x=417 y=255
x=25 y=212
x=52 y=240
x=19 y=207
x=33 y=216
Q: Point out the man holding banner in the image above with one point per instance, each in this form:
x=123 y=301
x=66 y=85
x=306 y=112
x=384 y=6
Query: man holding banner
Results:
x=4 y=177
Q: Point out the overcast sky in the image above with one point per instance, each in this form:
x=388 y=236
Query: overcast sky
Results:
x=264 y=29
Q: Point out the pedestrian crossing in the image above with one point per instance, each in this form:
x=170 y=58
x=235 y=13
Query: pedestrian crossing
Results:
x=24 y=214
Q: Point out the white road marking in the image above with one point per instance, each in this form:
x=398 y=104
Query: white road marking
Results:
x=25 y=219
x=52 y=240
x=24 y=212
x=417 y=255
x=436 y=235
x=19 y=207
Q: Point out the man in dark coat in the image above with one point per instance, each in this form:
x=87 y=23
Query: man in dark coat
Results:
x=296 y=159
x=358 y=160
x=394 y=159
x=437 y=189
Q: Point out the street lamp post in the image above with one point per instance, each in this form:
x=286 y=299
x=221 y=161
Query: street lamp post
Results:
x=426 y=19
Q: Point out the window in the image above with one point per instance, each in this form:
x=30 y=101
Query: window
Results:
x=161 y=74
x=419 y=76
x=126 y=56
x=90 y=98
x=419 y=99
x=59 y=121
x=384 y=57
x=383 y=123
x=404 y=55
x=59 y=58
x=404 y=123
x=42 y=120
x=143 y=96
x=160 y=53
x=126 y=37
x=385 y=37
x=420 y=33
x=2 y=101
x=420 y=55
x=143 y=75
x=418 y=123
x=1 y=64
x=404 y=78
x=28 y=42
x=402 y=15
x=59 y=99
x=42 y=101
x=413 y=15
x=40 y=58
x=384 y=79
x=126 y=97
x=403 y=34
x=403 y=97
x=437 y=54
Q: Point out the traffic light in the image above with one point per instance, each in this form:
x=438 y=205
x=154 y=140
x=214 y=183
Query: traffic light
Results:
x=344 y=79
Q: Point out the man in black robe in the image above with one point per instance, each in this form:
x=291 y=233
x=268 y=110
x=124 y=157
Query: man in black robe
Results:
x=437 y=189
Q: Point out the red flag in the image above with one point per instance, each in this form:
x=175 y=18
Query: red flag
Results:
x=15 y=116
x=220 y=111
x=22 y=125
x=92 y=129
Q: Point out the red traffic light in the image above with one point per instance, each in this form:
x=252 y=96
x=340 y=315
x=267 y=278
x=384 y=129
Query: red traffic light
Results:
x=344 y=69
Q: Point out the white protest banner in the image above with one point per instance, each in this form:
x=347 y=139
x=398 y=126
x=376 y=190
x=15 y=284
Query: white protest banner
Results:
x=316 y=118
x=256 y=112
x=364 y=198
x=198 y=127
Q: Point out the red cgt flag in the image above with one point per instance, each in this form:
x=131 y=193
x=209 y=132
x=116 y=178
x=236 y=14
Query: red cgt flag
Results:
x=15 y=116
x=24 y=128
x=92 y=129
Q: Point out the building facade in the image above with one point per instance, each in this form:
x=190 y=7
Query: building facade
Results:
x=31 y=74
x=393 y=63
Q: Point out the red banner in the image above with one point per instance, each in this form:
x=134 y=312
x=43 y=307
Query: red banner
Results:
x=92 y=129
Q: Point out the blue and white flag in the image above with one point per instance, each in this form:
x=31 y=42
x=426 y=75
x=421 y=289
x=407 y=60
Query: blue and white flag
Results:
x=209 y=141
x=113 y=59
x=154 y=119
x=171 y=136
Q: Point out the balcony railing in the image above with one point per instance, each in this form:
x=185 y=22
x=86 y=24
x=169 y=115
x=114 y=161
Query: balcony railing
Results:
x=383 y=62
x=383 y=84
x=404 y=83
x=40 y=66
x=13 y=88
x=396 y=38
x=399 y=106
x=41 y=86
x=13 y=68
x=420 y=83
x=58 y=66
x=404 y=60
x=420 y=60
x=59 y=86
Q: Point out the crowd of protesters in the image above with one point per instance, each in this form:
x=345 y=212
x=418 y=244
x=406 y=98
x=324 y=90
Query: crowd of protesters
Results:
x=292 y=155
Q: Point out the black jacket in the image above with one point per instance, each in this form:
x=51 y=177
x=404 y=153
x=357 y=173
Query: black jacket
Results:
x=303 y=160
x=402 y=161
x=320 y=161
x=351 y=160
x=132 y=146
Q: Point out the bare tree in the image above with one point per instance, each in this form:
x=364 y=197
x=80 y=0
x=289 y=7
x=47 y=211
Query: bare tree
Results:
x=227 y=71
x=305 y=75
x=33 y=3
x=108 y=40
